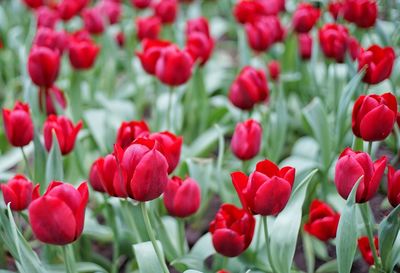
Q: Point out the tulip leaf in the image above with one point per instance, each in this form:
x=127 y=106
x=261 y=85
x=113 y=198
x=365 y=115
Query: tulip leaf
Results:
x=346 y=238
x=39 y=160
x=96 y=121
x=286 y=227
x=80 y=267
x=146 y=257
x=388 y=231
x=192 y=271
x=54 y=165
x=328 y=267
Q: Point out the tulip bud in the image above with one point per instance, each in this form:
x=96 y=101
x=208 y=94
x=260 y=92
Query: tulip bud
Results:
x=111 y=10
x=378 y=62
x=166 y=10
x=174 y=66
x=393 y=192
x=260 y=33
x=47 y=37
x=130 y=131
x=18 y=192
x=245 y=11
x=232 y=230
x=148 y=27
x=322 y=221
x=93 y=21
x=43 y=66
x=200 y=47
x=305 y=17
x=18 y=124
x=274 y=69
x=111 y=176
x=374 y=116
x=351 y=166
x=170 y=146
x=198 y=25
x=335 y=8
x=55 y=99
x=141 y=4
x=151 y=53
x=46 y=17
x=65 y=132
x=182 y=197
x=95 y=178
x=249 y=88
x=363 y=13
x=354 y=48
x=120 y=39
x=267 y=190
x=82 y=53
x=58 y=216
x=305 y=43
x=333 y=40
x=34 y=4
x=246 y=139
x=69 y=8
x=365 y=249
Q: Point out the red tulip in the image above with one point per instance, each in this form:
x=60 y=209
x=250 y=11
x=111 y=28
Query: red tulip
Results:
x=34 y=4
x=174 y=66
x=335 y=8
x=57 y=217
x=120 y=39
x=170 y=146
x=18 y=124
x=305 y=43
x=354 y=48
x=267 y=190
x=82 y=53
x=166 y=10
x=111 y=176
x=46 y=17
x=65 y=132
x=261 y=33
x=18 y=192
x=323 y=221
x=363 y=13
x=93 y=21
x=200 y=47
x=351 y=166
x=151 y=53
x=141 y=4
x=305 y=17
x=95 y=177
x=182 y=197
x=393 y=186
x=148 y=27
x=55 y=99
x=111 y=10
x=378 y=62
x=249 y=88
x=374 y=116
x=47 y=37
x=43 y=66
x=198 y=25
x=333 y=40
x=246 y=139
x=69 y=8
x=130 y=131
x=223 y=271
x=274 y=69
x=365 y=249
x=245 y=11
x=232 y=230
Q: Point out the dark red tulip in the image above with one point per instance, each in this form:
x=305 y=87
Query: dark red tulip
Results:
x=374 y=116
x=365 y=249
x=354 y=48
x=55 y=99
x=95 y=177
x=322 y=221
x=182 y=197
x=261 y=34
x=111 y=176
x=249 y=88
x=272 y=7
x=232 y=230
x=111 y=10
x=18 y=124
x=120 y=39
x=174 y=66
x=148 y=27
x=47 y=37
x=363 y=13
x=34 y=4
x=305 y=17
x=246 y=11
x=43 y=66
x=335 y=8
x=267 y=190
x=198 y=25
x=93 y=20
x=200 y=47
x=378 y=62
x=393 y=186
x=64 y=130
x=170 y=146
x=130 y=131
x=151 y=53
x=351 y=166
x=274 y=69
x=82 y=53
x=18 y=192
x=333 y=41
x=166 y=10
x=246 y=139
x=46 y=17
x=305 y=43
x=70 y=8
x=58 y=216
x=141 y=4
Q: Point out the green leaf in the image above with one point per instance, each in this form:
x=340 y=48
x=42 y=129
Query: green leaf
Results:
x=328 y=267
x=81 y=267
x=54 y=165
x=346 y=239
x=96 y=121
x=192 y=271
x=205 y=142
x=39 y=160
x=146 y=257
x=286 y=228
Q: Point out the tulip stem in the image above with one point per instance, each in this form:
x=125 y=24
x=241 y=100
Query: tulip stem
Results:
x=370 y=148
x=111 y=222
x=69 y=259
x=367 y=222
x=182 y=235
x=131 y=221
x=150 y=232
x=26 y=163
x=271 y=263
x=169 y=109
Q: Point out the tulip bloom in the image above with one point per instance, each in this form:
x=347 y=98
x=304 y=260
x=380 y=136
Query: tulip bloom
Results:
x=335 y=8
x=54 y=99
x=65 y=132
x=354 y=48
x=130 y=131
x=333 y=41
x=111 y=10
x=322 y=221
x=43 y=66
x=274 y=69
x=351 y=166
x=249 y=88
x=93 y=21
x=95 y=178
x=365 y=249
x=69 y=8
x=305 y=17
x=246 y=139
x=18 y=192
x=170 y=146
x=374 y=116
x=166 y=10
x=148 y=27
x=393 y=186
x=18 y=124
x=246 y=11
x=82 y=53
x=363 y=13
x=141 y=4
x=260 y=34
x=57 y=217
x=174 y=66
x=151 y=53
x=199 y=46
x=47 y=37
x=232 y=230
x=198 y=25
x=111 y=176
x=305 y=43
x=182 y=197
x=378 y=62
x=267 y=190
x=46 y=17
x=34 y=4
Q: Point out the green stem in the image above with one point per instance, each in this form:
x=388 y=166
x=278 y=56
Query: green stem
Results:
x=111 y=221
x=182 y=236
x=270 y=261
x=153 y=240
x=224 y=262
x=169 y=109
x=69 y=259
x=367 y=222
x=26 y=163
x=131 y=221
x=369 y=149
x=258 y=237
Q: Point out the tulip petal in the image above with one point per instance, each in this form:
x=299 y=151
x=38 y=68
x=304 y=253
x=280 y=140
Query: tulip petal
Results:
x=373 y=185
x=377 y=124
x=239 y=181
x=187 y=199
x=347 y=173
x=228 y=243
x=9 y=196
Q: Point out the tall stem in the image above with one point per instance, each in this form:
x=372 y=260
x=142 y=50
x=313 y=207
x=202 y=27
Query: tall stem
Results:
x=153 y=240
x=182 y=235
x=270 y=261
x=27 y=163
x=169 y=110
x=131 y=221
x=111 y=222
x=370 y=148
x=69 y=259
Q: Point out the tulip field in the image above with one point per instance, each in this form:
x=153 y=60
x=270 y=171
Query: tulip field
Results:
x=199 y=136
